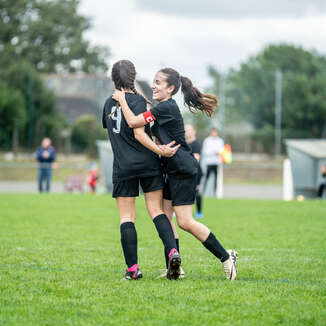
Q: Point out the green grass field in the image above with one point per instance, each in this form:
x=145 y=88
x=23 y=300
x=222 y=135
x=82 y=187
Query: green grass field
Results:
x=61 y=264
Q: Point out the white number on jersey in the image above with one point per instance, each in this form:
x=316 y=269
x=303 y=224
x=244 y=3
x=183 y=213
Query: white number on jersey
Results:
x=117 y=117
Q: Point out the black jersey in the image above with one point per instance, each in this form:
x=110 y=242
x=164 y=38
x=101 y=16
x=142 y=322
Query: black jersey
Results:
x=196 y=148
x=131 y=158
x=168 y=126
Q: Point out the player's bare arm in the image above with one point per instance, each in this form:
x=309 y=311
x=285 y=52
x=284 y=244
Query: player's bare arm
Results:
x=146 y=141
x=197 y=156
x=132 y=120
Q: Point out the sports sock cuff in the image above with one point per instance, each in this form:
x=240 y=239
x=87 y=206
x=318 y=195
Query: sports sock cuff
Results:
x=159 y=218
x=127 y=225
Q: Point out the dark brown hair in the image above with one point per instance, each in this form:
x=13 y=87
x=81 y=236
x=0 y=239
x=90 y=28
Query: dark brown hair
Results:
x=124 y=75
x=193 y=98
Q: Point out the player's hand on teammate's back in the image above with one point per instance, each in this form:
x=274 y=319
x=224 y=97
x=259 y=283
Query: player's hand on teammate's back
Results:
x=117 y=95
x=168 y=150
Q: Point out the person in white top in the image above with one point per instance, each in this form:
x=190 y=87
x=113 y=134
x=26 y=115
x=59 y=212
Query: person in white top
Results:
x=212 y=147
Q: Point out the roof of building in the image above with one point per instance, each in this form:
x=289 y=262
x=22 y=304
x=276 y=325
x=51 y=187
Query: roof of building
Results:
x=313 y=147
x=78 y=94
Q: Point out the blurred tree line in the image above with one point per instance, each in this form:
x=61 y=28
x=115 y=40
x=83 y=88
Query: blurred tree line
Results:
x=39 y=36
x=250 y=94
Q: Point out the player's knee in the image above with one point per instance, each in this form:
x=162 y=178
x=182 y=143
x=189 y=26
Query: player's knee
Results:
x=187 y=224
x=184 y=225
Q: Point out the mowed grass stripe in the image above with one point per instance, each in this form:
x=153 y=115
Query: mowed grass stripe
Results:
x=61 y=263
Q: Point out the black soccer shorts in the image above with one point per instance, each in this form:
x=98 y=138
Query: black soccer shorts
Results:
x=181 y=189
x=130 y=188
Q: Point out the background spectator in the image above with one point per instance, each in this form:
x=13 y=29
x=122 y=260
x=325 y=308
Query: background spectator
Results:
x=45 y=155
x=93 y=177
x=195 y=145
x=212 y=147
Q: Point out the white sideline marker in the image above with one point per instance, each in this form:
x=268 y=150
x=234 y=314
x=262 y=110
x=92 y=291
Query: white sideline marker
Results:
x=287 y=180
x=219 y=189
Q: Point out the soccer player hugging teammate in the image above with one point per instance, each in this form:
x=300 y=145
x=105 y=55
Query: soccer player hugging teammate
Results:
x=181 y=169
x=136 y=162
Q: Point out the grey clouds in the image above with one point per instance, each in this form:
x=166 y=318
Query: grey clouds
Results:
x=226 y=9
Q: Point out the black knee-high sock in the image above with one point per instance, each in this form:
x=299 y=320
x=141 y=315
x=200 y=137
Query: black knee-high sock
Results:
x=212 y=244
x=177 y=243
x=129 y=243
x=164 y=229
x=166 y=254
x=198 y=201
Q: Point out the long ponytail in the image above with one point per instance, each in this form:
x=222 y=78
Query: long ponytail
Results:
x=193 y=98
x=197 y=101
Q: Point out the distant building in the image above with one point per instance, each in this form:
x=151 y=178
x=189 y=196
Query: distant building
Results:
x=78 y=94
x=306 y=156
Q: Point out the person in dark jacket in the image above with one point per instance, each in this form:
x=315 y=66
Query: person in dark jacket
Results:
x=45 y=155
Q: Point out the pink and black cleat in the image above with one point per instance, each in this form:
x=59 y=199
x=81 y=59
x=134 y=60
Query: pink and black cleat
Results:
x=173 y=272
x=133 y=273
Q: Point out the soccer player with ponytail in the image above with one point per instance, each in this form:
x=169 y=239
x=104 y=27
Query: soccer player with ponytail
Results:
x=136 y=162
x=181 y=169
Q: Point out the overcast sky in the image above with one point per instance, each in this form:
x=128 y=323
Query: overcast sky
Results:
x=188 y=35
